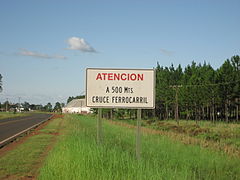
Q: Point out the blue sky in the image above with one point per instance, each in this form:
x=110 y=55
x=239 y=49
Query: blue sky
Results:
x=45 y=46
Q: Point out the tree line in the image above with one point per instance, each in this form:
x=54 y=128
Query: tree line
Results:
x=13 y=107
x=70 y=98
x=8 y=106
x=199 y=92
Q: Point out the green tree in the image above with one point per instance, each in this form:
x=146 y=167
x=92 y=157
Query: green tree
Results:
x=70 y=98
x=163 y=97
x=26 y=106
x=57 y=107
x=48 y=107
x=6 y=105
x=199 y=92
x=235 y=61
x=226 y=85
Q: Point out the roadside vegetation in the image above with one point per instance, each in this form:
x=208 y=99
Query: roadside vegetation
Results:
x=222 y=137
x=78 y=156
x=4 y=115
x=225 y=133
x=24 y=160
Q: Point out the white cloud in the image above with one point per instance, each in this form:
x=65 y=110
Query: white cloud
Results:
x=25 y=52
x=80 y=44
x=166 y=52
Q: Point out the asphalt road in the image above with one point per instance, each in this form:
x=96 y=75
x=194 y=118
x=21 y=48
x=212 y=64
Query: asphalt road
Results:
x=11 y=126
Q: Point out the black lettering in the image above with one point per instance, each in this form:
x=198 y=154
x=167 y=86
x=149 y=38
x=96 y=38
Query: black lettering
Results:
x=100 y=99
x=146 y=100
x=137 y=99
x=130 y=99
x=127 y=99
x=107 y=90
x=134 y=100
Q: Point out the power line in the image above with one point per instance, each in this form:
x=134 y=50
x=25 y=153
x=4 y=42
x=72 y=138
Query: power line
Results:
x=202 y=85
x=176 y=87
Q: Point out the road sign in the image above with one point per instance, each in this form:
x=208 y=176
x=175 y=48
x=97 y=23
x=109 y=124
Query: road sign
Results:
x=120 y=88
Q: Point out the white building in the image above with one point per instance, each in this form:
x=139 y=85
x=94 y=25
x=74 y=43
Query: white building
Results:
x=76 y=106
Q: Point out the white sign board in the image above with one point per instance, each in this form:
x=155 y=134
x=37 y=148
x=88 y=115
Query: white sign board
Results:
x=120 y=88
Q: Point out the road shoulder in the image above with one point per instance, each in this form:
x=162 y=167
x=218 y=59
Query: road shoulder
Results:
x=22 y=158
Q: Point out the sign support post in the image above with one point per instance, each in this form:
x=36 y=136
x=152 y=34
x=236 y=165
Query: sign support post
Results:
x=138 y=136
x=99 y=126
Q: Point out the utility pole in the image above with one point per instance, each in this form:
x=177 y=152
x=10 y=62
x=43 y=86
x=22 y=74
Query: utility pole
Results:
x=6 y=104
x=19 y=104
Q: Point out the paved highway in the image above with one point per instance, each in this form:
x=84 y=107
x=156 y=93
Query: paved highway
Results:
x=12 y=126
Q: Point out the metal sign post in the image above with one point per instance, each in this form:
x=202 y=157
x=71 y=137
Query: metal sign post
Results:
x=138 y=135
x=99 y=126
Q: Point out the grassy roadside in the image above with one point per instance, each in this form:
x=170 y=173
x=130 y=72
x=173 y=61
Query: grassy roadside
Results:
x=224 y=135
x=4 y=115
x=24 y=161
x=77 y=156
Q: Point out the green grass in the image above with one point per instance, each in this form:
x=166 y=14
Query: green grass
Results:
x=26 y=158
x=78 y=156
x=226 y=133
x=4 y=115
x=52 y=127
x=19 y=162
x=220 y=132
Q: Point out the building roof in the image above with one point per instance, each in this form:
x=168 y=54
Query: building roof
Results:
x=76 y=103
